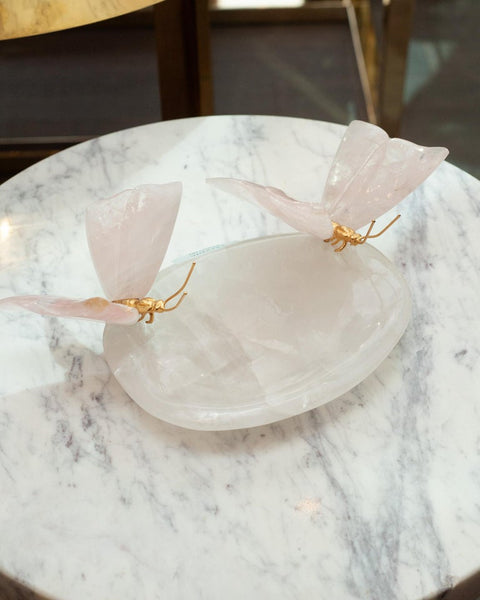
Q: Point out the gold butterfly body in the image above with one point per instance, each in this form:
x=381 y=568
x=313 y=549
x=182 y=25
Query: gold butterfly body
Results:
x=344 y=235
x=150 y=306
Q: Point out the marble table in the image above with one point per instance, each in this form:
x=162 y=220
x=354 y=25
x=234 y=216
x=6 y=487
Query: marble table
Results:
x=375 y=495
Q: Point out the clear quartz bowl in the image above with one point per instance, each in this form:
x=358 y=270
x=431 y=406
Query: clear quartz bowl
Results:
x=271 y=328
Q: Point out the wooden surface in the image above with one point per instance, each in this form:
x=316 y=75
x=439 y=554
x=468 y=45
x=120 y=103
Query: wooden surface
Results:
x=183 y=58
x=21 y=18
x=183 y=52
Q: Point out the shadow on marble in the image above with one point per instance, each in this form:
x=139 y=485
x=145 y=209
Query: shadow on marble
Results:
x=87 y=385
x=86 y=390
x=89 y=392
x=78 y=392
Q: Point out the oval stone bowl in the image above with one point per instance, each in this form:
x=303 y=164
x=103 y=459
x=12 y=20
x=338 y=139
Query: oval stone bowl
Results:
x=271 y=328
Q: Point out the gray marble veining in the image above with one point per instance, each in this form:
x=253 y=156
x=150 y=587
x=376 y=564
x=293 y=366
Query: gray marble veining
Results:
x=375 y=495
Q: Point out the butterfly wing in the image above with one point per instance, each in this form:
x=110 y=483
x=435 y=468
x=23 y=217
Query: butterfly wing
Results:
x=128 y=236
x=303 y=216
x=96 y=309
x=371 y=173
x=360 y=142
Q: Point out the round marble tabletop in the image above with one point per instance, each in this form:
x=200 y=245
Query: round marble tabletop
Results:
x=374 y=495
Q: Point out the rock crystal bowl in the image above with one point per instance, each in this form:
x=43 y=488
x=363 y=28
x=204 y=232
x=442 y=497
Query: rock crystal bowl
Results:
x=271 y=328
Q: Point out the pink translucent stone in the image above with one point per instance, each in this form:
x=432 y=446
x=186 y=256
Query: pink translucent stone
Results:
x=370 y=174
x=307 y=217
x=128 y=236
x=97 y=309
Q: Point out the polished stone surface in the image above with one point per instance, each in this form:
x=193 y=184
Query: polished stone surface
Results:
x=128 y=236
x=374 y=495
x=369 y=175
x=271 y=328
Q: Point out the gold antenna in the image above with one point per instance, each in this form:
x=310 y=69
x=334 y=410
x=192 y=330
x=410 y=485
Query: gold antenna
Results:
x=180 y=290
x=369 y=237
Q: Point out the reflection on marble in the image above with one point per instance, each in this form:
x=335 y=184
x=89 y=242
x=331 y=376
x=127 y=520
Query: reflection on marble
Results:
x=271 y=328
x=374 y=495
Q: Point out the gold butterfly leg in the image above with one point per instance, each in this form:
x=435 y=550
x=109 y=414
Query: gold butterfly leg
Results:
x=342 y=243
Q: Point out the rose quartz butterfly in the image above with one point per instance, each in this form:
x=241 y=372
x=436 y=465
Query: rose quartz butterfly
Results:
x=128 y=236
x=370 y=174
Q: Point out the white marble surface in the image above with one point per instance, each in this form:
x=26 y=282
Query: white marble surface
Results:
x=375 y=495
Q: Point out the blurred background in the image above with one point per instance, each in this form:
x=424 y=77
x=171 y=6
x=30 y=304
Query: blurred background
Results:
x=100 y=78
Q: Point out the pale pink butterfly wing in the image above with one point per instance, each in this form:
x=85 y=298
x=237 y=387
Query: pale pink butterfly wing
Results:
x=97 y=309
x=359 y=142
x=303 y=216
x=128 y=236
x=371 y=173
